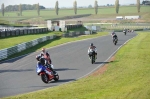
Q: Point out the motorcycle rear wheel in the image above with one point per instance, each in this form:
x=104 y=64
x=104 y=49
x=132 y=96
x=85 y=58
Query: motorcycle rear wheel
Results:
x=115 y=42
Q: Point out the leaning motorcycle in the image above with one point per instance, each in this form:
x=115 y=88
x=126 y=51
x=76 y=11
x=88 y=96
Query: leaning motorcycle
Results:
x=46 y=74
x=92 y=56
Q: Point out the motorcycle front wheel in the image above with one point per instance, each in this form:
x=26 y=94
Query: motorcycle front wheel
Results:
x=56 y=77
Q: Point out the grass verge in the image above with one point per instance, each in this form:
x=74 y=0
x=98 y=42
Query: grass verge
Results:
x=12 y=41
x=127 y=77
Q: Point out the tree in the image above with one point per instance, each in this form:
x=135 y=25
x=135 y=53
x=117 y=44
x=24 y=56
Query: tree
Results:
x=138 y=6
x=56 y=7
x=90 y=6
x=3 y=10
x=38 y=9
x=20 y=10
x=75 y=7
x=117 y=6
x=96 y=7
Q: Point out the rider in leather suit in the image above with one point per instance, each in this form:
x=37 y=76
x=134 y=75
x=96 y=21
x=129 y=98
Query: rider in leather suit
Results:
x=92 y=47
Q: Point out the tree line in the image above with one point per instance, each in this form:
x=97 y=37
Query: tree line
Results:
x=23 y=7
x=37 y=7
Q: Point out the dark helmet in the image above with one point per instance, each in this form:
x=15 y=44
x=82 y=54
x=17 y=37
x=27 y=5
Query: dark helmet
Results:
x=91 y=44
x=38 y=57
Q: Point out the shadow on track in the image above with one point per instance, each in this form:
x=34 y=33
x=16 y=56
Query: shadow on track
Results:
x=3 y=71
x=64 y=69
x=101 y=62
x=63 y=80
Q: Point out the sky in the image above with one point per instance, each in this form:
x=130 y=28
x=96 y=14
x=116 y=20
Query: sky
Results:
x=65 y=3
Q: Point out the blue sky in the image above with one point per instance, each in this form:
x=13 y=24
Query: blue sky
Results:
x=64 y=3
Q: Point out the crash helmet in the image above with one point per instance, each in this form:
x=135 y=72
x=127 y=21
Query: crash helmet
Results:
x=43 y=49
x=91 y=44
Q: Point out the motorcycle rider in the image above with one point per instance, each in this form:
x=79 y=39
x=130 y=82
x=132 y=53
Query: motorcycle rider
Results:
x=114 y=36
x=42 y=61
x=91 y=48
x=125 y=30
x=46 y=55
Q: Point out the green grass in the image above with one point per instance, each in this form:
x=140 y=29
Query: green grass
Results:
x=12 y=41
x=127 y=77
x=103 y=12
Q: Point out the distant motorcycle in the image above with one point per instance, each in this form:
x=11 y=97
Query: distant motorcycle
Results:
x=92 y=56
x=46 y=76
x=125 y=32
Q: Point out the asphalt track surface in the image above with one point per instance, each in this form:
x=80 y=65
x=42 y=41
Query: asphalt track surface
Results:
x=18 y=76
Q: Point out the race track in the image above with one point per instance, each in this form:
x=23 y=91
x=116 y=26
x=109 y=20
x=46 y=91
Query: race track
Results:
x=18 y=76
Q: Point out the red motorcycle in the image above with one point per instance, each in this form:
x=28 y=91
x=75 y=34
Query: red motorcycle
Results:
x=46 y=74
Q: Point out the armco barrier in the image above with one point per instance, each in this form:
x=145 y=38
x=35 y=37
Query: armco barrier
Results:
x=52 y=37
x=37 y=30
x=77 y=33
x=40 y=30
x=47 y=37
x=39 y=40
x=34 y=42
x=22 y=32
x=25 y=31
x=87 y=33
x=21 y=47
x=7 y=33
x=29 y=31
x=12 y=50
x=5 y=53
x=43 y=30
x=32 y=31
x=72 y=34
x=3 y=34
x=13 y=33
x=17 y=32
x=28 y=44
x=65 y=35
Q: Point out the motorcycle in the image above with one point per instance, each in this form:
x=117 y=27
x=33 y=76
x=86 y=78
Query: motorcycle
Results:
x=46 y=74
x=115 y=40
x=124 y=32
x=92 y=56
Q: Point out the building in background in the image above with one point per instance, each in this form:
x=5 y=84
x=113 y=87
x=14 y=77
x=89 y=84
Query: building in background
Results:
x=146 y=2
